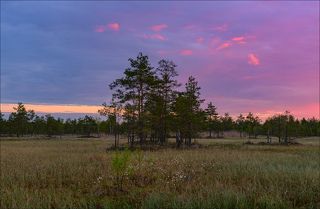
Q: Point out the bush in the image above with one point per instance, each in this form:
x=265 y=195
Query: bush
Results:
x=120 y=167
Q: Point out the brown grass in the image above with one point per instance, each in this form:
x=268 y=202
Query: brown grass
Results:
x=77 y=174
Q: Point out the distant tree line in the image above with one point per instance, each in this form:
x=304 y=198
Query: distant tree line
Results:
x=24 y=122
x=147 y=107
x=283 y=126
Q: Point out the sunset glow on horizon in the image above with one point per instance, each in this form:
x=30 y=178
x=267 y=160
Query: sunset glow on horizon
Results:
x=251 y=56
x=308 y=111
x=54 y=108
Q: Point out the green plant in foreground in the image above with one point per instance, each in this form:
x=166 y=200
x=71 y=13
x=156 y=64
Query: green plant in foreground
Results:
x=120 y=166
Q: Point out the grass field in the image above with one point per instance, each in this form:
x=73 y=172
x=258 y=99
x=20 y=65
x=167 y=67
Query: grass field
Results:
x=227 y=174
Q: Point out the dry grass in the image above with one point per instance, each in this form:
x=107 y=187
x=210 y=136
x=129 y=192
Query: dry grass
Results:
x=77 y=174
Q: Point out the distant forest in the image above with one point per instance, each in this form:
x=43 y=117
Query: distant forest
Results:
x=147 y=107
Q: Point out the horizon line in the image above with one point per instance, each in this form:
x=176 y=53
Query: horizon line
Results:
x=48 y=108
x=53 y=108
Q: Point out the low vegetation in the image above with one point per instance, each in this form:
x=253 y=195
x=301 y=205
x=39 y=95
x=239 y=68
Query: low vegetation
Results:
x=226 y=174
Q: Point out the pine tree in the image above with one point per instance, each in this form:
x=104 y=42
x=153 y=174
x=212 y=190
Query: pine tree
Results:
x=20 y=118
x=160 y=101
x=212 y=118
x=133 y=89
x=189 y=115
x=240 y=122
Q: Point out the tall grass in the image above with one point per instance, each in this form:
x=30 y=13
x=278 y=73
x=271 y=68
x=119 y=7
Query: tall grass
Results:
x=78 y=174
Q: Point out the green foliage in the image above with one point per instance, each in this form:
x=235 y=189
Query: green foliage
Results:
x=162 y=98
x=240 y=125
x=227 y=122
x=189 y=116
x=19 y=120
x=211 y=118
x=120 y=166
x=87 y=125
x=54 y=126
x=252 y=124
x=285 y=126
x=133 y=89
x=112 y=112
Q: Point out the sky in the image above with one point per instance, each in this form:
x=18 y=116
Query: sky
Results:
x=261 y=56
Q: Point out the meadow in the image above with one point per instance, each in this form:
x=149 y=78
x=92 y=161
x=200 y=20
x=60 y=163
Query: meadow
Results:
x=74 y=173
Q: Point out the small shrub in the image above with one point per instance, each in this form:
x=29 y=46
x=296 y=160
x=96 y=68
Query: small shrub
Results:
x=120 y=167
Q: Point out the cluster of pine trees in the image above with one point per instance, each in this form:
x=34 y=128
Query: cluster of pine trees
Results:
x=149 y=105
x=147 y=102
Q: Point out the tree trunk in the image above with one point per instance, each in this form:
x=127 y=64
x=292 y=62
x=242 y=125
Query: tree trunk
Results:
x=286 y=135
x=115 y=139
x=178 y=139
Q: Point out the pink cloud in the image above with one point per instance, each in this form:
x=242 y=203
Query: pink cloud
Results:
x=155 y=36
x=159 y=27
x=221 y=28
x=240 y=38
x=253 y=59
x=100 y=29
x=114 y=26
x=186 y=52
x=200 y=40
x=224 y=45
x=111 y=26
